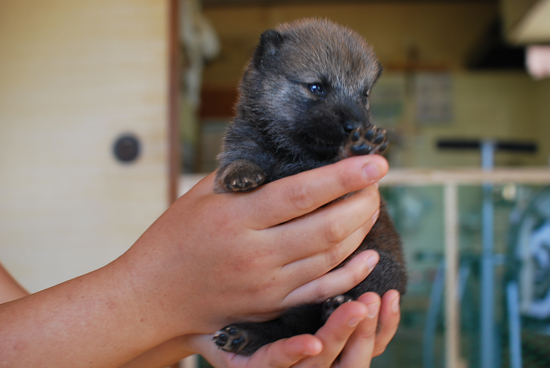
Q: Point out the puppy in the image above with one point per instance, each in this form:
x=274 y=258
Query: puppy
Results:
x=304 y=103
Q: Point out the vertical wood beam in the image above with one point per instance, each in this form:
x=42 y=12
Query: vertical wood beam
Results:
x=173 y=98
x=452 y=315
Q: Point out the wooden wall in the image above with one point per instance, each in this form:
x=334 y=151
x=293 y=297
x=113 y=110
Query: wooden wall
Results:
x=74 y=75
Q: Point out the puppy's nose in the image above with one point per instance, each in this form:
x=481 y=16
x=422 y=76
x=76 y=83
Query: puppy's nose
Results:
x=350 y=125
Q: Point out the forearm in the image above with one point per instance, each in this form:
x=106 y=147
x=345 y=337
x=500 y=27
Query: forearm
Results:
x=206 y=262
x=93 y=320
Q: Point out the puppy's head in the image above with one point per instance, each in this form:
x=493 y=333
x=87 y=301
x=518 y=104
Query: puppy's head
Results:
x=308 y=84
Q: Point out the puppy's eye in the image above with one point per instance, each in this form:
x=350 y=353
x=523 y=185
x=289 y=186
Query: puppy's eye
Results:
x=317 y=89
x=367 y=93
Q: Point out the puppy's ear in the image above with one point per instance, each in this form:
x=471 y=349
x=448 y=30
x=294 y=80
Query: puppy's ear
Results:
x=270 y=41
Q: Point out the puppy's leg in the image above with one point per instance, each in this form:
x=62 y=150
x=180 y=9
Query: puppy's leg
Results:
x=246 y=338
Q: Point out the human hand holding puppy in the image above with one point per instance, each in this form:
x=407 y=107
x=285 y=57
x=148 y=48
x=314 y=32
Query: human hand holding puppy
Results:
x=355 y=333
x=250 y=256
x=209 y=260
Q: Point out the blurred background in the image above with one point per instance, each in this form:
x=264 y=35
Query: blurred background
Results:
x=451 y=69
x=111 y=110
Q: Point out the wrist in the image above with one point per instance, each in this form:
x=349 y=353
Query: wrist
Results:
x=151 y=291
x=138 y=290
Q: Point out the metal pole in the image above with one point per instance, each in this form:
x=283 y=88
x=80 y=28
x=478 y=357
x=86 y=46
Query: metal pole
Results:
x=487 y=265
x=430 y=327
x=512 y=296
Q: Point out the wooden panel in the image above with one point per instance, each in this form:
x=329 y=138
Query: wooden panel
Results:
x=417 y=177
x=467 y=176
x=73 y=76
x=218 y=102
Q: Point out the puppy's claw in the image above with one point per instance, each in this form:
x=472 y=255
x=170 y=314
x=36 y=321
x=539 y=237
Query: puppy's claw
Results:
x=241 y=182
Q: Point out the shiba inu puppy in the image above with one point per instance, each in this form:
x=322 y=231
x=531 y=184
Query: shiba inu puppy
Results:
x=304 y=103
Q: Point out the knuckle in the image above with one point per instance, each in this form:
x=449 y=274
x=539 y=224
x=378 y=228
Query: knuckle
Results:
x=369 y=335
x=335 y=231
x=352 y=275
x=259 y=287
x=371 y=193
x=241 y=263
x=321 y=293
x=334 y=256
x=344 y=182
x=300 y=197
x=355 y=277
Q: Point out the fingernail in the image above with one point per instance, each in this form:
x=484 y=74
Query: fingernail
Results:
x=395 y=304
x=372 y=261
x=372 y=170
x=372 y=309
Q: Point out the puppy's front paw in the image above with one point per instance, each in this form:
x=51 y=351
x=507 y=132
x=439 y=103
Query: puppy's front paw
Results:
x=364 y=141
x=241 y=176
x=330 y=305
x=242 y=182
x=231 y=339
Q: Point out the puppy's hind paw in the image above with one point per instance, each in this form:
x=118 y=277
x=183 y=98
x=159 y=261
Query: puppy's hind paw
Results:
x=330 y=305
x=230 y=339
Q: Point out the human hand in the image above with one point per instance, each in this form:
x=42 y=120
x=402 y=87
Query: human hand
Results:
x=349 y=339
x=213 y=259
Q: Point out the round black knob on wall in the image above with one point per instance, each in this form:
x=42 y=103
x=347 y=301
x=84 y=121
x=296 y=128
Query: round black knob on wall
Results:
x=126 y=148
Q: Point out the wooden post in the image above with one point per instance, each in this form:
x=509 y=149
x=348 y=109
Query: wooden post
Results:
x=173 y=98
x=452 y=308
x=173 y=107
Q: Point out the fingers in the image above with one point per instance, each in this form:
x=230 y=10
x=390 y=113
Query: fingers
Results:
x=327 y=227
x=353 y=335
x=335 y=334
x=280 y=354
x=336 y=282
x=287 y=352
x=357 y=331
x=388 y=320
x=360 y=346
x=202 y=344
x=297 y=195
